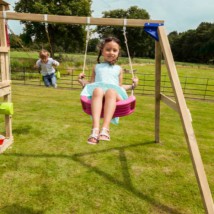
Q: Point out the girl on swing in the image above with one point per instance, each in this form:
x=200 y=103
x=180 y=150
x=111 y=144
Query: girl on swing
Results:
x=106 y=84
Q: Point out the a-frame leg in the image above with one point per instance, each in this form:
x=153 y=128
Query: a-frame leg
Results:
x=186 y=123
x=158 y=57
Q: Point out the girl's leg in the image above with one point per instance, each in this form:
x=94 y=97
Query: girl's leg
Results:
x=111 y=97
x=96 y=108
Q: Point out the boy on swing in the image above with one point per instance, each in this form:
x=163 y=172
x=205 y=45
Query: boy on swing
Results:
x=46 y=66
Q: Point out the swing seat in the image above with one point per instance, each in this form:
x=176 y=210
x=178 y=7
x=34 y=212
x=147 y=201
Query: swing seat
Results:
x=123 y=107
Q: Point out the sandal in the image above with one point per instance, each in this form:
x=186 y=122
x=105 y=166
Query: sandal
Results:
x=94 y=135
x=104 y=134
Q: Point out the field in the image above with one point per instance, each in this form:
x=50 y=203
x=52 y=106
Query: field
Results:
x=197 y=80
x=51 y=169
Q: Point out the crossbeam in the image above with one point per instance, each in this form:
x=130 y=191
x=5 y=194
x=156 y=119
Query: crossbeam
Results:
x=75 y=19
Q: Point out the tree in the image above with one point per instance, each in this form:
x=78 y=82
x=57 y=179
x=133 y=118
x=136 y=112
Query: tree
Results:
x=92 y=45
x=140 y=44
x=70 y=37
x=15 y=41
x=205 y=35
x=194 y=45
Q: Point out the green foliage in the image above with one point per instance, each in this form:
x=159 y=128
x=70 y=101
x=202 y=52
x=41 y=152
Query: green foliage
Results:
x=194 y=45
x=73 y=35
x=140 y=44
x=92 y=45
x=15 y=41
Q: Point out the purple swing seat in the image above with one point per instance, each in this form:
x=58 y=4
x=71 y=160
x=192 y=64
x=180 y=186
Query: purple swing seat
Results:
x=123 y=107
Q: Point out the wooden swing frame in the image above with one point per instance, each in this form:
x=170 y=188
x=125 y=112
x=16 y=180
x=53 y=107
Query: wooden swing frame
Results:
x=162 y=47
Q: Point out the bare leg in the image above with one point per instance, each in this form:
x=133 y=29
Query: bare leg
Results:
x=109 y=106
x=96 y=108
x=111 y=97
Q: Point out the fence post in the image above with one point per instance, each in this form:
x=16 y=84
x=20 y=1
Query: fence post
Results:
x=164 y=82
x=143 y=82
x=72 y=80
x=24 y=74
x=185 y=85
x=205 y=91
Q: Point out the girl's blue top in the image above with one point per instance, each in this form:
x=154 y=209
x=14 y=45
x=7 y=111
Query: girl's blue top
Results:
x=106 y=77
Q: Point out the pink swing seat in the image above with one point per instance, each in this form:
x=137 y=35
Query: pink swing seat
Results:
x=123 y=107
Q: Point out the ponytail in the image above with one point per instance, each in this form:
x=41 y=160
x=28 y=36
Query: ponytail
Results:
x=98 y=58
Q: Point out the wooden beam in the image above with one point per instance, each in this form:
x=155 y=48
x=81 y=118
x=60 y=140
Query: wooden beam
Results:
x=5 y=91
x=7 y=143
x=158 y=57
x=4 y=49
x=186 y=123
x=4 y=5
x=5 y=83
x=173 y=105
x=169 y=102
x=3 y=40
x=76 y=19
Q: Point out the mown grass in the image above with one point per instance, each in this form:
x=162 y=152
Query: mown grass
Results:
x=51 y=169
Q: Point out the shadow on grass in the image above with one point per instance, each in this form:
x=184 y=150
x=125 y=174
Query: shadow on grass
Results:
x=126 y=184
x=16 y=209
x=22 y=130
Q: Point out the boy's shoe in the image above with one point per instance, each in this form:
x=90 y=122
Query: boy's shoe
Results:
x=55 y=86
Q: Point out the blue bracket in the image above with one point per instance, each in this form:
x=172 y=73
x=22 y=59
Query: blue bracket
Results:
x=151 y=29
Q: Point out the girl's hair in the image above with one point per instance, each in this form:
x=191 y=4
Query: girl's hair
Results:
x=44 y=54
x=104 y=42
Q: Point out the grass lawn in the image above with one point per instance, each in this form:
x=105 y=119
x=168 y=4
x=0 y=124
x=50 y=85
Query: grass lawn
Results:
x=51 y=169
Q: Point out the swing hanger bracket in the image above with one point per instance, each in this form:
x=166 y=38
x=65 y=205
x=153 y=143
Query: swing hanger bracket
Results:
x=151 y=29
x=45 y=21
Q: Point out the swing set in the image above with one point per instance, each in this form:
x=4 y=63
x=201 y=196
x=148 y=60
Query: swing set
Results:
x=154 y=28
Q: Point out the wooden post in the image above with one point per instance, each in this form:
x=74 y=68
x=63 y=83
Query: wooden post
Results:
x=5 y=78
x=186 y=123
x=158 y=56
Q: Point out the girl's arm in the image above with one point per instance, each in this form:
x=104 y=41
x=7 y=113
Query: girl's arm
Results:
x=128 y=87
x=121 y=78
x=85 y=82
x=135 y=81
